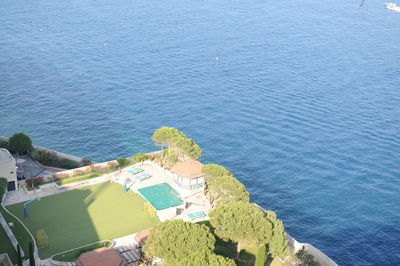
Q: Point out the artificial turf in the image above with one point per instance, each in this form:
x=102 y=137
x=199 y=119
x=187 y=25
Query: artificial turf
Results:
x=83 y=216
x=6 y=246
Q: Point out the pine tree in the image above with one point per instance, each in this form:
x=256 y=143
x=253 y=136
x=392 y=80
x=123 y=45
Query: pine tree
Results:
x=278 y=245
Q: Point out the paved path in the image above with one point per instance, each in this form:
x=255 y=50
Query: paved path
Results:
x=128 y=248
x=10 y=234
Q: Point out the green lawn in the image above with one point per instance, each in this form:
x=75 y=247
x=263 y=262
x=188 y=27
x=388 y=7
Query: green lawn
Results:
x=73 y=255
x=65 y=181
x=6 y=246
x=83 y=216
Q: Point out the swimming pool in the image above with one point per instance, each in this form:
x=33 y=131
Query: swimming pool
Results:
x=161 y=196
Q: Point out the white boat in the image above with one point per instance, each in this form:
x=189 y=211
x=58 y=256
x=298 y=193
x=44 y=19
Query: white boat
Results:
x=393 y=6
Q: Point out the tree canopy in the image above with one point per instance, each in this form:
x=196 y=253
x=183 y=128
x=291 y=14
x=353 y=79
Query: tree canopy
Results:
x=20 y=143
x=4 y=144
x=140 y=157
x=177 y=143
x=241 y=222
x=187 y=147
x=167 y=136
x=122 y=162
x=205 y=259
x=212 y=171
x=278 y=245
x=174 y=240
x=227 y=189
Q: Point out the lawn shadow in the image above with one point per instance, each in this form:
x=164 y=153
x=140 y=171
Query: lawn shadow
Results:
x=83 y=216
x=64 y=217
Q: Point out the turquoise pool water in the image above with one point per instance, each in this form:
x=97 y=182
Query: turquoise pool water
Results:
x=161 y=196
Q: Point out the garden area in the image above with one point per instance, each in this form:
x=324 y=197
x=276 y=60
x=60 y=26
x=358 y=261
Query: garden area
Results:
x=84 y=216
x=19 y=231
x=74 y=254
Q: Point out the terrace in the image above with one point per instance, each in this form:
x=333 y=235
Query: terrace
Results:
x=193 y=200
x=87 y=211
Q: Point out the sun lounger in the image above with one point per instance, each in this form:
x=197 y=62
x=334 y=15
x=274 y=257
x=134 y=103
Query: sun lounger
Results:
x=135 y=170
x=142 y=176
x=195 y=215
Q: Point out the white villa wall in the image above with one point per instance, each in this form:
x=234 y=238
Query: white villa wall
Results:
x=8 y=167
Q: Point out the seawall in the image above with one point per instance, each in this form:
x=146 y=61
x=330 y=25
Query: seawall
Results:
x=59 y=154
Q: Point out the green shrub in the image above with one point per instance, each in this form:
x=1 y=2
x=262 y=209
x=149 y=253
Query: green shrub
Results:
x=86 y=162
x=37 y=181
x=122 y=162
x=67 y=163
x=4 y=144
x=305 y=258
x=48 y=158
x=140 y=157
x=20 y=143
x=171 y=160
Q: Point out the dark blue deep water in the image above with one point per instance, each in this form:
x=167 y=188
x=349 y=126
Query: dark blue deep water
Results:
x=303 y=103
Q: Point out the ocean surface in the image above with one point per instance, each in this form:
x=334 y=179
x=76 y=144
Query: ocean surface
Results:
x=299 y=99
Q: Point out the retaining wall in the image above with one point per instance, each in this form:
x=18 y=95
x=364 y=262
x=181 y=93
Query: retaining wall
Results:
x=60 y=154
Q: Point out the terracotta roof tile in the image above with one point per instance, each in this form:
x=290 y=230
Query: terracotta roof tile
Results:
x=101 y=257
x=188 y=169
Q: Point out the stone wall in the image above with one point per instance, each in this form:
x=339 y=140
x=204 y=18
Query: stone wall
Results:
x=80 y=170
x=318 y=255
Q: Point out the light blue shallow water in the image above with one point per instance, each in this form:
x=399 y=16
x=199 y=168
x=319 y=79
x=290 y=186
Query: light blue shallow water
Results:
x=303 y=104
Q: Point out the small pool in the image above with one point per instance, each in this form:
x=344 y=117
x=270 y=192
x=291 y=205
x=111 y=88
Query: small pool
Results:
x=161 y=196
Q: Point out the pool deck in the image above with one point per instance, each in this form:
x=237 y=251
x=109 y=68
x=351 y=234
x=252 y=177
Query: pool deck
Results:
x=196 y=199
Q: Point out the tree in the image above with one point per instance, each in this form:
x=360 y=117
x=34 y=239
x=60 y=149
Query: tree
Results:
x=305 y=258
x=212 y=171
x=48 y=158
x=205 y=259
x=187 y=147
x=31 y=256
x=241 y=222
x=227 y=189
x=20 y=143
x=174 y=240
x=167 y=136
x=140 y=157
x=177 y=143
x=4 y=144
x=122 y=162
x=86 y=162
x=278 y=245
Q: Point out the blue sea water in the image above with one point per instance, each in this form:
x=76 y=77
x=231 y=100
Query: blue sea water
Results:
x=300 y=99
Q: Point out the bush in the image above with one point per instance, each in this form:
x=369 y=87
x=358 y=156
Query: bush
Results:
x=37 y=181
x=122 y=162
x=305 y=258
x=171 y=160
x=20 y=143
x=48 y=158
x=86 y=162
x=4 y=144
x=67 y=163
x=140 y=157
